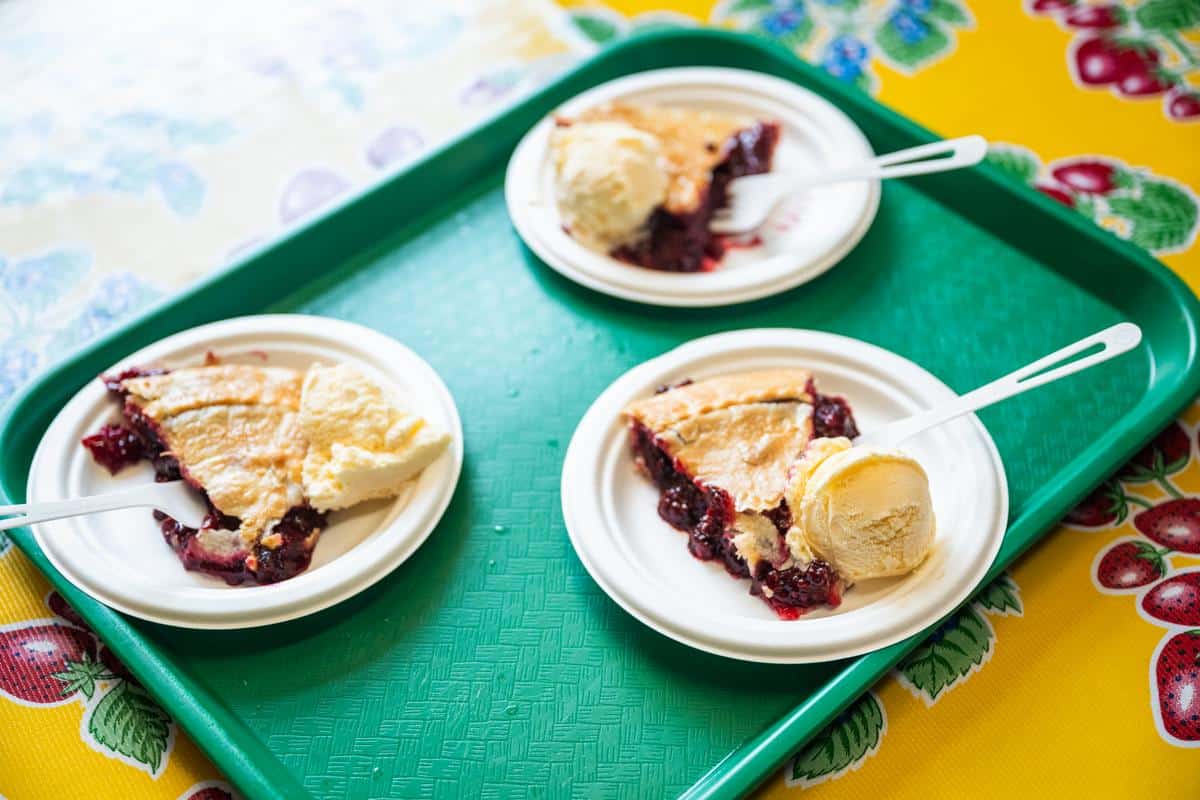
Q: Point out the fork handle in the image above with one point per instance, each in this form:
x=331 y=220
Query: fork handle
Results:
x=1113 y=341
x=940 y=156
x=31 y=513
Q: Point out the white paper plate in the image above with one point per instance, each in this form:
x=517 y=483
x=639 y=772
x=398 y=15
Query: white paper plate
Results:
x=804 y=237
x=644 y=565
x=120 y=558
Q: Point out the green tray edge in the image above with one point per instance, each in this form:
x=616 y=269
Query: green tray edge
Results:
x=246 y=760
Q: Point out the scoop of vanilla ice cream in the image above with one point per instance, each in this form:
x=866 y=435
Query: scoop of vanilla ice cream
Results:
x=865 y=511
x=609 y=176
x=362 y=445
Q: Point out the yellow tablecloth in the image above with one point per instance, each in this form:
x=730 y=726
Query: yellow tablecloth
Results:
x=1047 y=686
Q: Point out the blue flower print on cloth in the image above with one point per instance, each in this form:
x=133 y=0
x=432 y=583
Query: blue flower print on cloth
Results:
x=845 y=36
x=38 y=281
x=114 y=299
x=131 y=153
x=17 y=364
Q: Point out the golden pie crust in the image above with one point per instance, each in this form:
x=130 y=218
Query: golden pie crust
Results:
x=759 y=386
x=741 y=433
x=693 y=141
x=234 y=430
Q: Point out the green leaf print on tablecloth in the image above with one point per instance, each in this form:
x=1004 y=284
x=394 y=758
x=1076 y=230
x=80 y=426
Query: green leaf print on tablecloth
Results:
x=843 y=745
x=595 y=27
x=739 y=6
x=959 y=647
x=845 y=37
x=1168 y=15
x=602 y=25
x=910 y=41
x=1161 y=216
x=1000 y=597
x=1017 y=163
x=129 y=722
x=949 y=11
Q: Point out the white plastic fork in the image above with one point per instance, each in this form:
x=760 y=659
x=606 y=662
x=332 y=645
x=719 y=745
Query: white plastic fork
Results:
x=752 y=198
x=1113 y=341
x=175 y=498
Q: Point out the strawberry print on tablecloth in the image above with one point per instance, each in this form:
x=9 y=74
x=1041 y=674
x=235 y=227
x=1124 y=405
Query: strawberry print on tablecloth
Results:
x=209 y=790
x=1139 y=51
x=1147 y=565
x=1127 y=565
x=56 y=661
x=1151 y=211
x=1175 y=685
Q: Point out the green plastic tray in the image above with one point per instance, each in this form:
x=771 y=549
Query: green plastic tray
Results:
x=490 y=664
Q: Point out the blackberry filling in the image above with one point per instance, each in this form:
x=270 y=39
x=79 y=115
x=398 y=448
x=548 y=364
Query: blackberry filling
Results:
x=681 y=242
x=115 y=447
x=289 y=559
x=796 y=589
x=707 y=513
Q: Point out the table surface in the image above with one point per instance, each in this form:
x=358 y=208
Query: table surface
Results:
x=145 y=144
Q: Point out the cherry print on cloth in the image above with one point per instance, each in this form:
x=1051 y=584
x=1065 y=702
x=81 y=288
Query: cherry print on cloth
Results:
x=1151 y=211
x=56 y=661
x=1137 y=53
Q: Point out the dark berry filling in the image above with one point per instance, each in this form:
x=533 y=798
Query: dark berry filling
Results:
x=831 y=415
x=287 y=560
x=706 y=514
x=682 y=242
x=294 y=553
x=166 y=466
x=795 y=589
x=115 y=447
x=182 y=540
x=781 y=517
x=666 y=387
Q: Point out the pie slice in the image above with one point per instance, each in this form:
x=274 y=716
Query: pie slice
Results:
x=721 y=452
x=232 y=432
x=701 y=152
x=272 y=450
